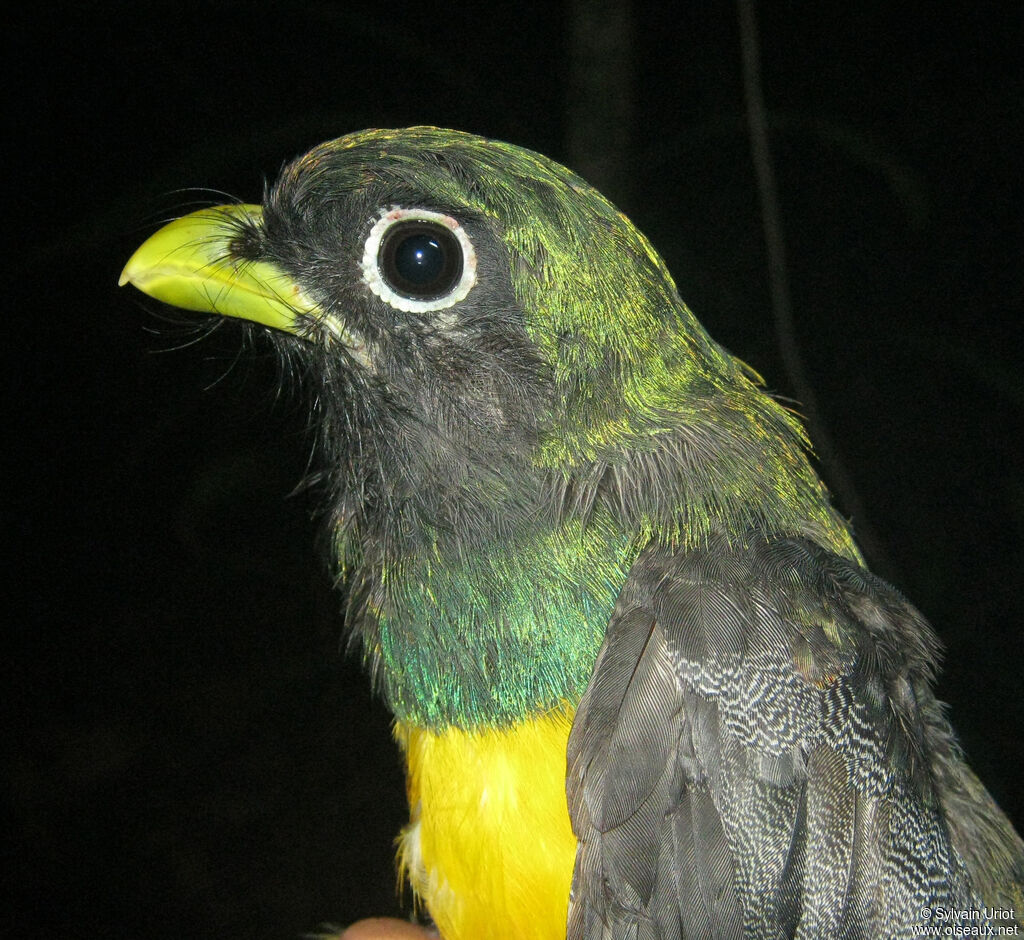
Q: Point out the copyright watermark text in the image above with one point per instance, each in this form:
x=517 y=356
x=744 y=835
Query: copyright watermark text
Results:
x=967 y=922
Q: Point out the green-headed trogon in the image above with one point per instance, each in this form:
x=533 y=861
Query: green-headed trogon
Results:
x=643 y=683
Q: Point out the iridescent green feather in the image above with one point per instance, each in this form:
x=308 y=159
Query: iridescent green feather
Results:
x=658 y=433
x=510 y=632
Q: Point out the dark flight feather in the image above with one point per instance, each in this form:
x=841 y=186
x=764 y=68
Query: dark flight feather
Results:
x=800 y=778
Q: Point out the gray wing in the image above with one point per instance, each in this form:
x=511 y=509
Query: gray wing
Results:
x=759 y=754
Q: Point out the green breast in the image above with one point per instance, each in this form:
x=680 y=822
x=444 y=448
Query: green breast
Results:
x=499 y=634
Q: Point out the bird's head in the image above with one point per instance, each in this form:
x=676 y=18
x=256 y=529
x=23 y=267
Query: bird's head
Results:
x=490 y=342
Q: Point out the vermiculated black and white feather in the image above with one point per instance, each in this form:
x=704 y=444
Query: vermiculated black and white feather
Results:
x=759 y=754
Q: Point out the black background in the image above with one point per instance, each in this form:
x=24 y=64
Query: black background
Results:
x=190 y=752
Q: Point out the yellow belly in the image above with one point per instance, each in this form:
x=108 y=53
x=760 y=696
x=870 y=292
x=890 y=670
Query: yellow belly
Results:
x=489 y=848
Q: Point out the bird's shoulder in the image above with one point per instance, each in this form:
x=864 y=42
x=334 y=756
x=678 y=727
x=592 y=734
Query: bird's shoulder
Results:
x=759 y=749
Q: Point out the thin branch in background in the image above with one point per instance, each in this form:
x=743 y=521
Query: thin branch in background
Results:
x=600 y=103
x=781 y=296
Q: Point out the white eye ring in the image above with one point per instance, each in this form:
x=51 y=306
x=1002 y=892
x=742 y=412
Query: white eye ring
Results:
x=376 y=281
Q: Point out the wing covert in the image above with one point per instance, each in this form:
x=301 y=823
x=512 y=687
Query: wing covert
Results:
x=759 y=754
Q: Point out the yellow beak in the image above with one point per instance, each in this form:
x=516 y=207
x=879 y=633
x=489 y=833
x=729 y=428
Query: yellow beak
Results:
x=189 y=264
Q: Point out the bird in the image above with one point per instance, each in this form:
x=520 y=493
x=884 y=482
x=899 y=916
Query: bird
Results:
x=643 y=683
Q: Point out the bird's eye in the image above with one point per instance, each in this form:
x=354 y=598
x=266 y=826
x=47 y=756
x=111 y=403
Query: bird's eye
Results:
x=418 y=260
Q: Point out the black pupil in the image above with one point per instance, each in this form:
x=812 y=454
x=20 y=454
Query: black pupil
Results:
x=421 y=260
